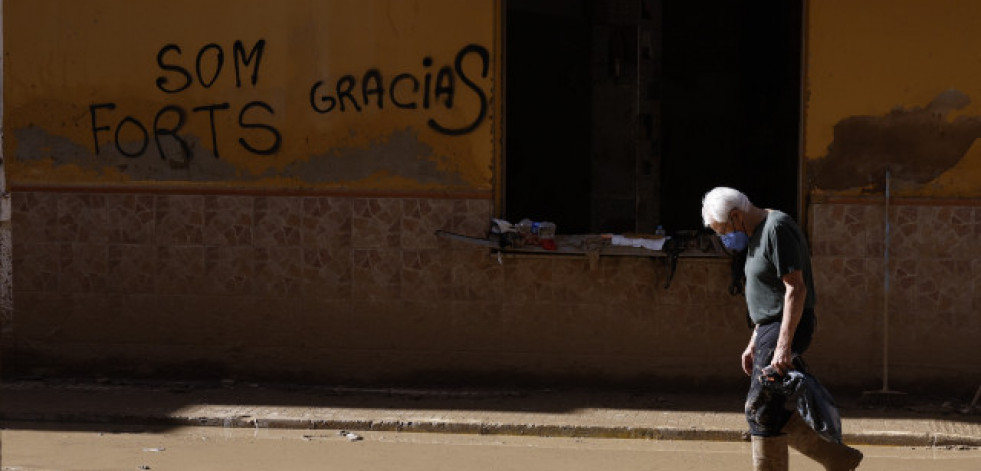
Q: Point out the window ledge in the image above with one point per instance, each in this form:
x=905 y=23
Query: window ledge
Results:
x=584 y=245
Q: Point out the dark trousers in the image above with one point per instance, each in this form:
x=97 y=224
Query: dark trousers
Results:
x=766 y=409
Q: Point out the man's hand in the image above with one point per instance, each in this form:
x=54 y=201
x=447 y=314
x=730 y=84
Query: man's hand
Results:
x=748 y=360
x=783 y=360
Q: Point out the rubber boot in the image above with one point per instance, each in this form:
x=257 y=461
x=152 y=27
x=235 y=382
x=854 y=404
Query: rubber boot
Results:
x=770 y=453
x=833 y=456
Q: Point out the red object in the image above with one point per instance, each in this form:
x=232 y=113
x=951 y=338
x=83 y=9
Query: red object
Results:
x=548 y=244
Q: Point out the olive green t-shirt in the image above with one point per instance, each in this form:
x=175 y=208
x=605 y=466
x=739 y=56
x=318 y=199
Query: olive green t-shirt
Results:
x=776 y=248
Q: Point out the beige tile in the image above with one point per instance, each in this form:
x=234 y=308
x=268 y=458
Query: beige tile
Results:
x=179 y=220
x=976 y=289
x=614 y=279
x=326 y=222
x=841 y=283
x=364 y=325
x=638 y=325
x=228 y=270
x=36 y=266
x=279 y=271
x=34 y=217
x=376 y=274
x=130 y=219
x=228 y=220
x=572 y=283
x=527 y=280
x=839 y=230
x=69 y=318
x=323 y=322
x=851 y=326
x=471 y=217
x=180 y=270
x=418 y=325
x=943 y=286
x=944 y=232
x=902 y=286
x=421 y=218
x=532 y=328
x=278 y=221
x=695 y=281
x=476 y=326
x=476 y=217
x=728 y=322
x=132 y=268
x=683 y=290
x=589 y=328
x=824 y=221
x=41 y=317
x=327 y=273
x=376 y=223
x=425 y=275
x=281 y=317
x=83 y=268
x=904 y=233
x=95 y=318
x=473 y=275
x=875 y=226
x=875 y=282
x=164 y=320
x=82 y=218
x=975 y=249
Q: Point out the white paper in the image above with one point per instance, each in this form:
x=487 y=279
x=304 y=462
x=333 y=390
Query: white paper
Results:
x=651 y=244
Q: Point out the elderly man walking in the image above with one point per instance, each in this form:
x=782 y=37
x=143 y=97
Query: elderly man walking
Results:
x=780 y=297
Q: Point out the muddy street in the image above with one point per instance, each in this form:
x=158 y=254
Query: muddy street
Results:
x=218 y=449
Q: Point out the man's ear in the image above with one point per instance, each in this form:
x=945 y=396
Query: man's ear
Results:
x=737 y=220
x=742 y=221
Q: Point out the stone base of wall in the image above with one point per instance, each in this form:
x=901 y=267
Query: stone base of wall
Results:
x=934 y=294
x=345 y=291
x=360 y=291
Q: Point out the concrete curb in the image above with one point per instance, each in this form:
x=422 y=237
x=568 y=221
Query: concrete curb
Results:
x=912 y=439
x=541 y=413
x=880 y=438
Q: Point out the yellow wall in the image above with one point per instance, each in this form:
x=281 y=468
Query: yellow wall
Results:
x=64 y=56
x=894 y=83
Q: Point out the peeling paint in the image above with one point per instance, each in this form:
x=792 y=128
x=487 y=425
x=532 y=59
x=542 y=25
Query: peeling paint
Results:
x=916 y=144
x=402 y=155
x=35 y=143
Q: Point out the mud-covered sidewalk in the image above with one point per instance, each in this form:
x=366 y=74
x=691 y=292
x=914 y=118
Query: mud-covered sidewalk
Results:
x=670 y=416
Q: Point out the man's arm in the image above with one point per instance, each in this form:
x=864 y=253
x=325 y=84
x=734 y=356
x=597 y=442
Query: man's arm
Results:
x=793 y=309
x=748 y=354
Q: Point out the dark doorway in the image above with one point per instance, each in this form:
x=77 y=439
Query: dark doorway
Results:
x=731 y=104
x=548 y=118
x=621 y=114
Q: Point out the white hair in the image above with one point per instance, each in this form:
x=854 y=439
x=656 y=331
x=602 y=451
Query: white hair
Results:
x=718 y=203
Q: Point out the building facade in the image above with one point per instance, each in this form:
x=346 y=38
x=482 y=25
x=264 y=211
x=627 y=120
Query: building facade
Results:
x=242 y=189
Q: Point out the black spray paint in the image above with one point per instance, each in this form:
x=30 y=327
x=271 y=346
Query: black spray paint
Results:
x=256 y=133
x=406 y=91
x=256 y=136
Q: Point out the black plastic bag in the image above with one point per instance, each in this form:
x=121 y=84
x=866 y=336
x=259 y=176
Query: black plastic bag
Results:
x=809 y=398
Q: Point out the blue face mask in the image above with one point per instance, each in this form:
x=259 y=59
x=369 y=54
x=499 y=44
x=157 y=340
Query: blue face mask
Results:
x=736 y=241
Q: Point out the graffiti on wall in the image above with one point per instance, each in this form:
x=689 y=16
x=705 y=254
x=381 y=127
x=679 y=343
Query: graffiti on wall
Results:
x=181 y=69
x=406 y=91
x=132 y=136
